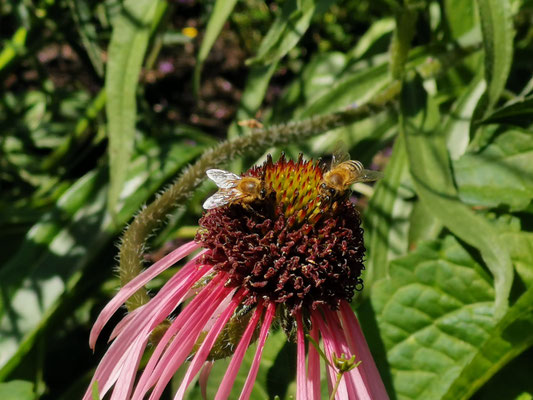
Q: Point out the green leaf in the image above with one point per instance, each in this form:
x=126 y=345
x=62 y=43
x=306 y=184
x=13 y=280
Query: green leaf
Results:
x=81 y=14
x=497 y=29
x=431 y=172
x=252 y=96
x=499 y=174
x=517 y=113
x=219 y=15
x=131 y=32
x=434 y=313
x=386 y=219
x=377 y=30
x=95 y=393
x=288 y=29
x=508 y=339
x=17 y=390
x=62 y=246
x=462 y=20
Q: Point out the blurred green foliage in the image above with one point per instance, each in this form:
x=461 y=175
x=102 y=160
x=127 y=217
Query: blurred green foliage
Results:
x=104 y=103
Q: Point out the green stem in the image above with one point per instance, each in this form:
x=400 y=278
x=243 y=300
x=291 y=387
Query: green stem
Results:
x=337 y=383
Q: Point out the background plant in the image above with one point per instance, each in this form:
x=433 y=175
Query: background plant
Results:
x=104 y=104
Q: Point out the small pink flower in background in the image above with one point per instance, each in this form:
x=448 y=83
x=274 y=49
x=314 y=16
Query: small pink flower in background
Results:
x=292 y=252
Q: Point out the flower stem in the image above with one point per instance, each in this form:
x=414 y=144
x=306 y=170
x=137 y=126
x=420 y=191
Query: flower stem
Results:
x=337 y=383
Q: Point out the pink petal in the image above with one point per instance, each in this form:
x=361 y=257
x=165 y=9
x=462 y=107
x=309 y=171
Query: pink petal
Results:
x=126 y=378
x=179 y=349
x=249 y=384
x=301 y=388
x=313 y=367
x=226 y=385
x=330 y=347
x=204 y=377
x=355 y=384
x=139 y=281
x=188 y=317
x=207 y=344
x=141 y=324
x=358 y=345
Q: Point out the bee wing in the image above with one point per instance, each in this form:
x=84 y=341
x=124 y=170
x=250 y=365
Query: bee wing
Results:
x=340 y=155
x=222 y=197
x=223 y=179
x=368 y=175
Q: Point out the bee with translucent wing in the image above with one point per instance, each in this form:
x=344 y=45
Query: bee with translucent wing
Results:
x=233 y=189
x=343 y=173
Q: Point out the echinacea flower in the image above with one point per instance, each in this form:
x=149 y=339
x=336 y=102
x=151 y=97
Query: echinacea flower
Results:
x=292 y=255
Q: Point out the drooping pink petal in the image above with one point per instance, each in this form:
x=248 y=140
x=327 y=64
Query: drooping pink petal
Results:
x=250 y=380
x=124 y=322
x=183 y=344
x=358 y=345
x=313 y=367
x=189 y=317
x=124 y=384
x=301 y=384
x=356 y=386
x=141 y=324
x=207 y=344
x=204 y=377
x=226 y=385
x=330 y=347
x=139 y=281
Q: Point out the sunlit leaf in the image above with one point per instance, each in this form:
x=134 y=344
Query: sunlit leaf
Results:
x=288 y=29
x=435 y=316
x=217 y=19
x=500 y=174
x=431 y=171
x=128 y=45
x=17 y=390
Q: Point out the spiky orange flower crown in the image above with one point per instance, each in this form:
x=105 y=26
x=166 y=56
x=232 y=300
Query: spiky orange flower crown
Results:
x=293 y=247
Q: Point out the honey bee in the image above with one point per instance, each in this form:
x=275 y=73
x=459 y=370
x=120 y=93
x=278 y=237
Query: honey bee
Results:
x=234 y=189
x=343 y=173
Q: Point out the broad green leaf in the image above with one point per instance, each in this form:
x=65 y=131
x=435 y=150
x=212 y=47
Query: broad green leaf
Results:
x=61 y=246
x=17 y=390
x=499 y=174
x=288 y=29
x=497 y=29
x=508 y=339
x=517 y=113
x=431 y=171
x=131 y=32
x=435 y=317
x=217 y=19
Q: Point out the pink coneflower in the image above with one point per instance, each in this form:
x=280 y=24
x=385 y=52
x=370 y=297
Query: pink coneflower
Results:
x=291 y=254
